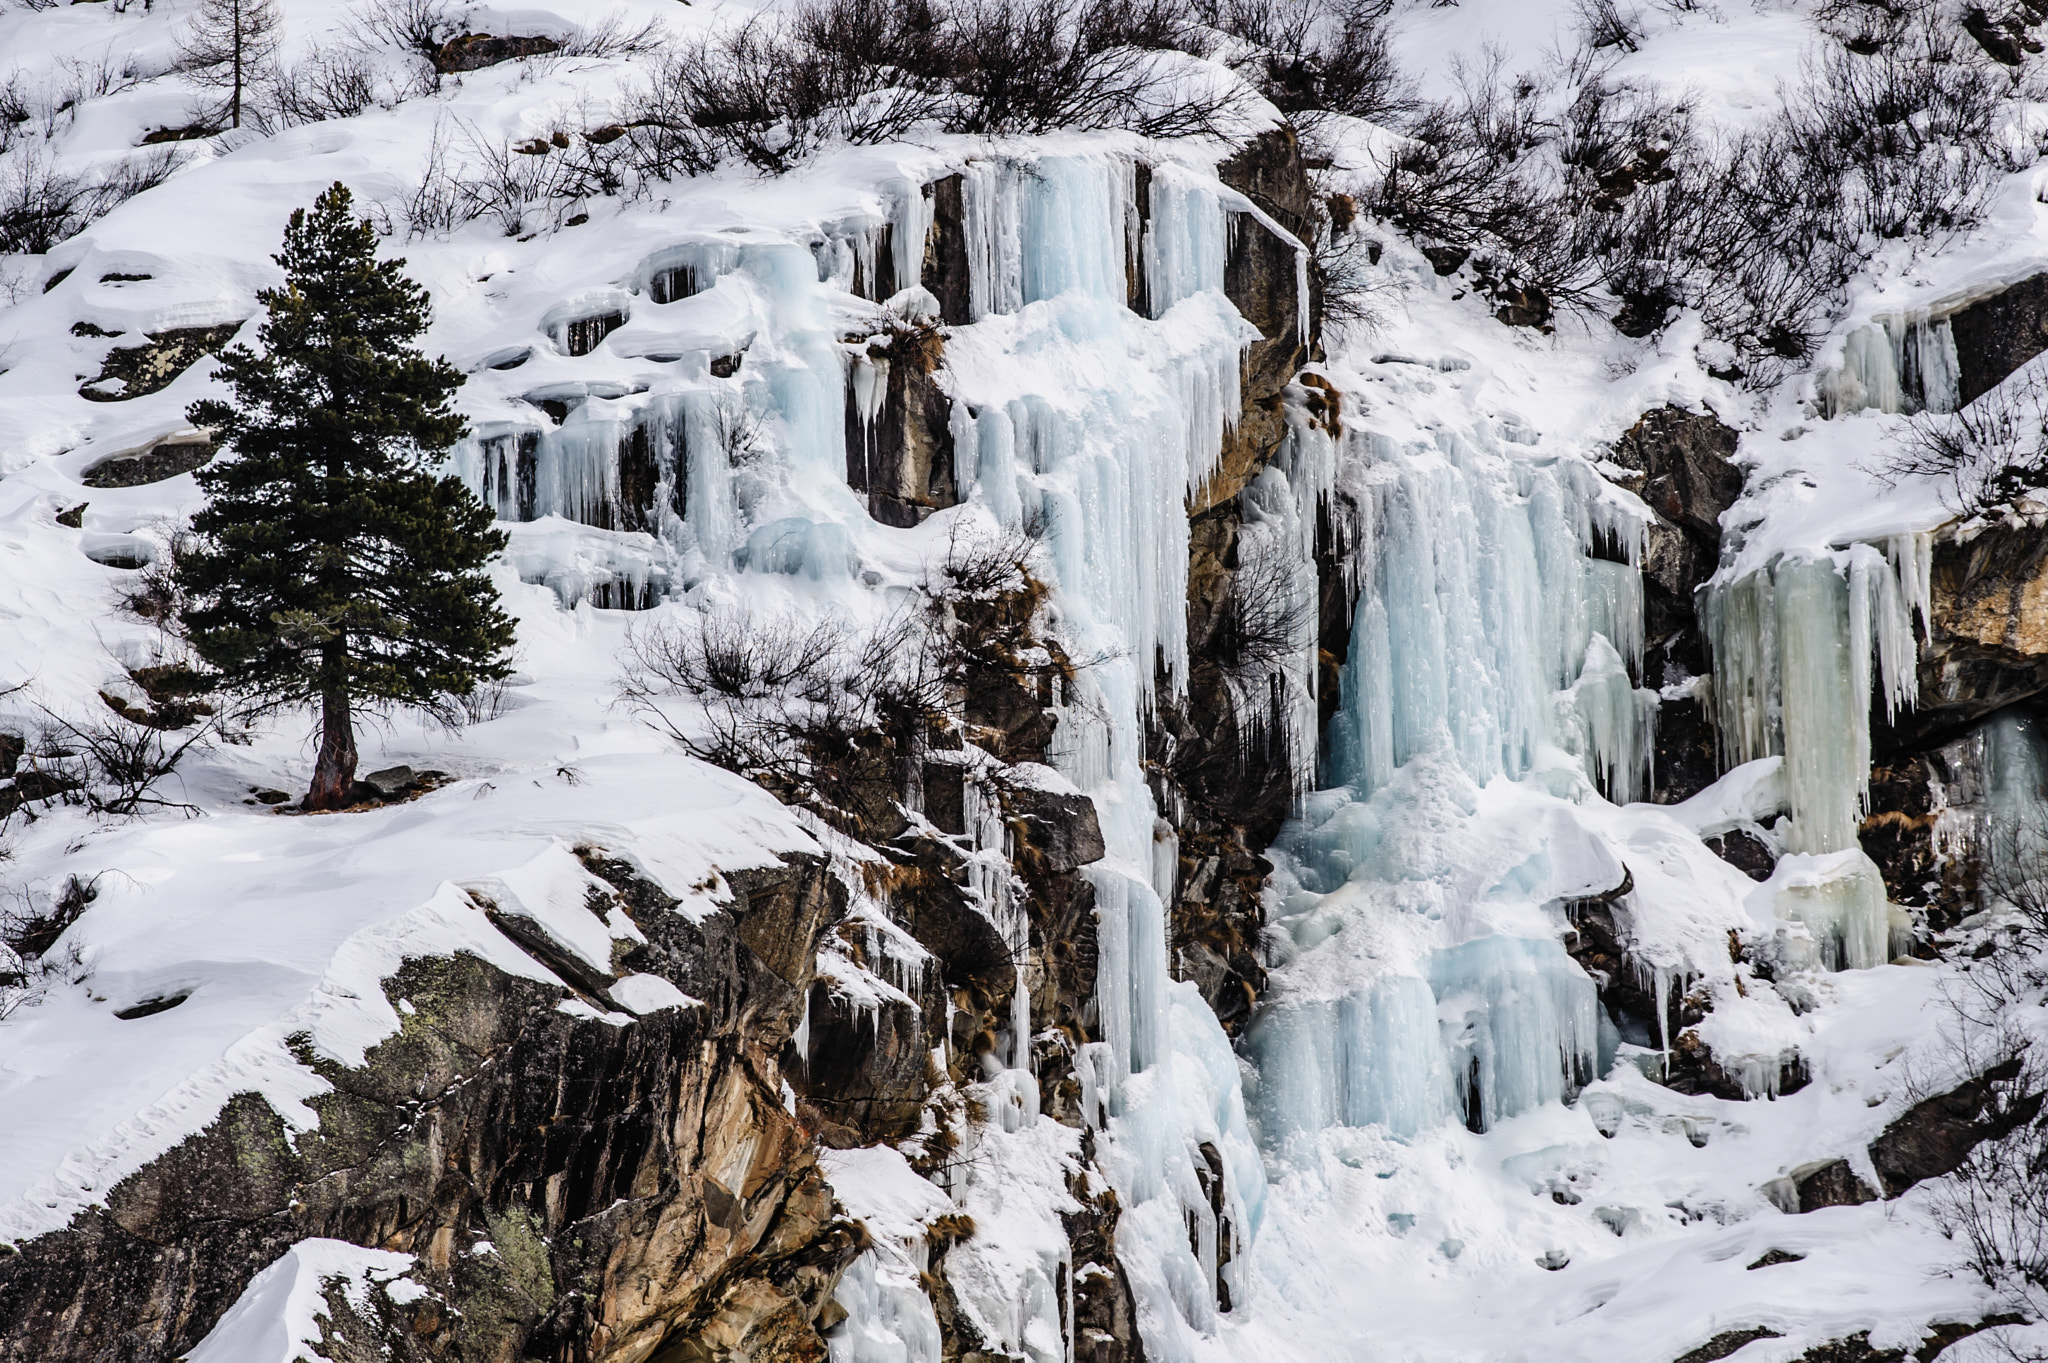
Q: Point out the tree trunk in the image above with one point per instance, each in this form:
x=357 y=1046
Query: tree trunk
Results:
x=334 y=771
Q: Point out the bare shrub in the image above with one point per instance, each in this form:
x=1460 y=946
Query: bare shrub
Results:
x=438 y=202
x=41 y=206
x=1993 y=454
x=1570 y=182
x=772 y=91
x=116 y=763
x=419 y=27
x=614 y=36
x=331 y=83
x=1313 y=56
x=819 y=714
x=835 y=718
x=32 y=962
x=1995 y=1204
x=1605 y=24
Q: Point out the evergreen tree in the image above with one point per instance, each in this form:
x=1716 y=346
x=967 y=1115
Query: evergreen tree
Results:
x=334 y=568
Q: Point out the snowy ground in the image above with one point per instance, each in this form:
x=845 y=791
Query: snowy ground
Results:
x=1620 y=1227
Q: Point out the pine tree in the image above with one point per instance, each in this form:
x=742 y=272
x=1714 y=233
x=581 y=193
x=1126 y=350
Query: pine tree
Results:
x=228 y=44
x=334 y=567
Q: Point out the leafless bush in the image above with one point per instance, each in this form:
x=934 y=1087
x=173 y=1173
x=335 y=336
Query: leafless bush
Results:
x=833 y=717
x=1995 y=1205
x=1584 y=188
x=614 y=36
x=1992 y=454
x=818 y=713
x=1342 y=258
x=1311 y=56
x=438 y=202
x=1604 y=24
x=41 y=206
x=331 y=83
x=419 y=27
x=31 y=960
x=736 y=427
x=773 y=90
x=116 y=764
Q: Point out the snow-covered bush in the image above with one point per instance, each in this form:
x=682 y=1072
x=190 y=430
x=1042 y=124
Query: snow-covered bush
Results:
x=1993 y=454
x=41 y=205
x=1587 y=188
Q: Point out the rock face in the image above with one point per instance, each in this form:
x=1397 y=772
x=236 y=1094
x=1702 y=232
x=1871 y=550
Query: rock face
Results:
x=1679 y=463
x=642 y=1188
x=1989 y=644
x=1997 y=335
x=1220 y=760
x=899 y=437
x=1928 y=1140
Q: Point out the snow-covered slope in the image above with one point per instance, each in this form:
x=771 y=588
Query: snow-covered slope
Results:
x=1434 y=1141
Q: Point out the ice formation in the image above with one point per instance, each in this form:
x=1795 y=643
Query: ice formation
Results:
x=1799 y=647
x=1901 y=362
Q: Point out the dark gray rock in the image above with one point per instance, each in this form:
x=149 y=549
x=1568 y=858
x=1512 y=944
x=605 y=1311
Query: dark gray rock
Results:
x=1997 y=335
x=475 y=51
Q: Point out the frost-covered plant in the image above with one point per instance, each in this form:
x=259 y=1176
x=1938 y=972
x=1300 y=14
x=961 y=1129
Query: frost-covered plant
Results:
x=331 y=82
x=1576 y=184
x=834 y=717
x=1994 y=1206
x=1992 y=454
x=771 y=91
x=817 y=712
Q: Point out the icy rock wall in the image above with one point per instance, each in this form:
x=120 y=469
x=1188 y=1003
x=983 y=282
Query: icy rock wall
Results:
x=1485 y=629
x=1798 y=648
x=1103 y=463
x=1488 y=644
x=1898 y=363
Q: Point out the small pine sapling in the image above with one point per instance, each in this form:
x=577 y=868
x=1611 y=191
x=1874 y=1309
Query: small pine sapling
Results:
x=332 y=566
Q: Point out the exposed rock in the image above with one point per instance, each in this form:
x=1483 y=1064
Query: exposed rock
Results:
x=134 y=371
x=642 y=1186
x=1262 y=279
x=475 y=51
x=1830 y=1183
x=1940 y=1335
x=1928 y=1140
x=902 y=458
x=1935 y=1135
x=167 y=456
x=1726 y=1343
x=1996 y=335
x=944 y=271
x=1678 y=462
x=1989 y=645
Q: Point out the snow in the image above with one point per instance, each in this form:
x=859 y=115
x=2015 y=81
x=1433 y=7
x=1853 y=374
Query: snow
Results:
x=1434 y=1142
x=277 y=1318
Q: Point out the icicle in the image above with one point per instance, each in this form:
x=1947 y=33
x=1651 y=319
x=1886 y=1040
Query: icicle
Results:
x=1898 y=363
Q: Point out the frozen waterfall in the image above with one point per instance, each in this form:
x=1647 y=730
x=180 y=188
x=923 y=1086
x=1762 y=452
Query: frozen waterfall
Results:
x=1420 y=976
x=1793 y=648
